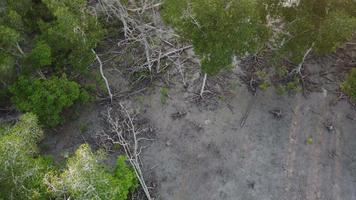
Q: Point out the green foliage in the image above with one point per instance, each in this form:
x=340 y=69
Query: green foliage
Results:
x=26 y=175
x=85 y=178
x=61 y=28
x=53 y=36
x=290 y=87
x=335 y=30
x=41 y=55
x=46 y=97
x=349 y=86
x=322 y=24
x=281 y=71
x=218 y=29
x=264 y=83
x=310 y=140
x=164 y=95
x=21 y=170
x=72 y=35
x=8 y=36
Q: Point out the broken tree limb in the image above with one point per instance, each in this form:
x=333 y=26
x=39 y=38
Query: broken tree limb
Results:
x=103 y=75
x=299 y=68
x=203 y=86
x=20 y=49
x=132 y=149
x=145 y=8
x=151 y=62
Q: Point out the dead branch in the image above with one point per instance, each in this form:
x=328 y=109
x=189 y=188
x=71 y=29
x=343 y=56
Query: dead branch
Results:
x=126 y=135
x=203 y=85
x=138 y=30
x=103 y=76
x=299 y=68
x=144 y=8
x=20 y=49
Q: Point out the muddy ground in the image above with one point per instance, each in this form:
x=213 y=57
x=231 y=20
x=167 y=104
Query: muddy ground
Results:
x=232 y=147
x=208 y=155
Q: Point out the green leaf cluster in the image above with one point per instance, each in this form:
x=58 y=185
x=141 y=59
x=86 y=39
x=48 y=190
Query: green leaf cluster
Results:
x=349 y=86
x=46 y=97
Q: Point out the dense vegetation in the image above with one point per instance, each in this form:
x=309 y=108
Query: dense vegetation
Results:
x=24 y=174
x=220 y=29
x=41 y=41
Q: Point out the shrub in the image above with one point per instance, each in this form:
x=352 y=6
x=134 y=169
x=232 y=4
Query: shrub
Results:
x=46 y=97
x=21 y=171
x=349 y=86
x=85 y=178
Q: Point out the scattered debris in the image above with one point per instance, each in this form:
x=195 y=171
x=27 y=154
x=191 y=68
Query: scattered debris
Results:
x=245 y=116
x=125 y=129
x=332 y=154
x=168 y=143
x=251 y=184
x=178 y=115
x=277 y=113
x=329 y=126
x=350 y=117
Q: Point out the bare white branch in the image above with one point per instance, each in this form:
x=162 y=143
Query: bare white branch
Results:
x=103 y=75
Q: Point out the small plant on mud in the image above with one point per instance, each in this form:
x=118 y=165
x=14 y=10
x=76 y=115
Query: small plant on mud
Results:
x=310 y=140
x=164 y=95
x=349 y=86
x=264 y=83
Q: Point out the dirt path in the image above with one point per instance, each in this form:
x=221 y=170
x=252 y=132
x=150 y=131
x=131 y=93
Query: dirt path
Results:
x=266 y=159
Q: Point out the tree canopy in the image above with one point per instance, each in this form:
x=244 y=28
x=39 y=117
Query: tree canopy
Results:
x=218 y=29
x=21 y=171
x=222 y=29
x=40 y=41
x=25 y=174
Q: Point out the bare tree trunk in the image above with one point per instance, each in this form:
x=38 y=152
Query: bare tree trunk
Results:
x=203 y=86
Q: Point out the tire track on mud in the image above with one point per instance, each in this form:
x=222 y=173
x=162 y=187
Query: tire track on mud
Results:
x=313 y=188
x=337 y=167
x=306 y=177
x=291 y=153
